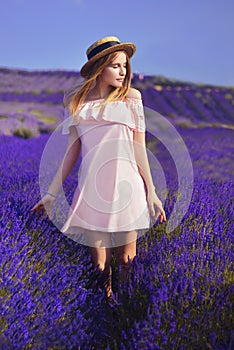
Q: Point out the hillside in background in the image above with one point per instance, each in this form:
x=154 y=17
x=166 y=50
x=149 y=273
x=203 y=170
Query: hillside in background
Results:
x=179 y=291
x=31 y=101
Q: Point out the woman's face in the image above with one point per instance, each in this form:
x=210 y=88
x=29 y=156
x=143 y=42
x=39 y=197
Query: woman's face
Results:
x=115 y=73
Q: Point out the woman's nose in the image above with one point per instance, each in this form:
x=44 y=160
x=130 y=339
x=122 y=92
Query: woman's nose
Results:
x=122 y=71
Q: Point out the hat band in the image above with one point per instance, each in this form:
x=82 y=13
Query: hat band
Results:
x=102 y=47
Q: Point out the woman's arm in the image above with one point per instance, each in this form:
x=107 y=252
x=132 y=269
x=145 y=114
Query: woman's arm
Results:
x=45 y=205
x=144 y=170
x=140 y=148
x=142 y=159
x=70 y=158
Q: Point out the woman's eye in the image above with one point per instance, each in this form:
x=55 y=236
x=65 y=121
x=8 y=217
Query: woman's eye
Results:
x=117 y=66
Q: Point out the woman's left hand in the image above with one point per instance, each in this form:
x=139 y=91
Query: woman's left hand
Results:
x=44 y=206
x=155 y=207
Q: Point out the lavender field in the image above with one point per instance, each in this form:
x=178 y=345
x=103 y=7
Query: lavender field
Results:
x=180 y=289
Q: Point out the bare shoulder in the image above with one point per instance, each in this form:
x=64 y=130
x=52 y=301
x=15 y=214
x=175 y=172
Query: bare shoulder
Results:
x=134 y=93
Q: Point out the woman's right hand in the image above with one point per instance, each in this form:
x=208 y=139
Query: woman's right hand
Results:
x=45 y=205
x=155 y=206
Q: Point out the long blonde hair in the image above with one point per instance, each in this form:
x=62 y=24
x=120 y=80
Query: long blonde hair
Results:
x=75 y=97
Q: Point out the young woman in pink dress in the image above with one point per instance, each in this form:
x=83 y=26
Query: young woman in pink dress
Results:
x=115 y=200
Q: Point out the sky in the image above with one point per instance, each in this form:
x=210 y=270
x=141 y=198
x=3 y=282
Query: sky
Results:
x=189 y=40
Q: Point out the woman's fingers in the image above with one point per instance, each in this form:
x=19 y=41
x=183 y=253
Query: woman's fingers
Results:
x=163 y=216
x=37 y=206
x=40 y=208
x=158 y=212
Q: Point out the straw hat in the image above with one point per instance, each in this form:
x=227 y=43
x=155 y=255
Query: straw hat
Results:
x=103 y=47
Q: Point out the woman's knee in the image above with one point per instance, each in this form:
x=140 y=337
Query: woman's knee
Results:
x=124 y=259
x=124 y=255
x=101 y=264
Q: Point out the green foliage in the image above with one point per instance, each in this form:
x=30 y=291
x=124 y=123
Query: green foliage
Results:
x=23 y=132
x=198 y=94
x=45 y=130
x=35 y=92
x=184 y=124
x=48 y=119
x=228 y=96
x=3 y=117
x=35 y=111
x=171 y=115
x=21 y=119
x=48 y=91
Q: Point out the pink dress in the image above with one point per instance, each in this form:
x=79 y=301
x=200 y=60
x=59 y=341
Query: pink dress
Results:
x=110 y=195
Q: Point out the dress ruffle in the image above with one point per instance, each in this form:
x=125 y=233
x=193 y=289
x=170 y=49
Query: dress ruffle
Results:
x=129 y=113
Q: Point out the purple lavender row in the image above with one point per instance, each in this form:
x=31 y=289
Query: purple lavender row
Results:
x=179 y=294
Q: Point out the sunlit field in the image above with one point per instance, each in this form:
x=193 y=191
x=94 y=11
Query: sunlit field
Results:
x=179 y=293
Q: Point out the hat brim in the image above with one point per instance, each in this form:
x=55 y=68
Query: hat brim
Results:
x=129 y=48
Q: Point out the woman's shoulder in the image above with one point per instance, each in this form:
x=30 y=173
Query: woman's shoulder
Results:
x=134 y=93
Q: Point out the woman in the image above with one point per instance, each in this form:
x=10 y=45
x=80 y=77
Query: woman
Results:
x=115 y=195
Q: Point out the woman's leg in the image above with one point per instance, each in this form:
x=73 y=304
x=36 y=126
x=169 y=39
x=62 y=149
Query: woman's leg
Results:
x=125 y=252
x=101 y=257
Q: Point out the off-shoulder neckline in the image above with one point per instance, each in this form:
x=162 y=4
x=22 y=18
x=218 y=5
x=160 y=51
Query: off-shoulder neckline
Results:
x=102 y=99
